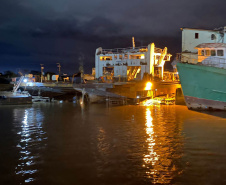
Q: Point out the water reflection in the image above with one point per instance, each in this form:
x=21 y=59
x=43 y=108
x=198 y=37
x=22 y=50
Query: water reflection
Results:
x=31 y=135
x=152 y=156
x=164 y=146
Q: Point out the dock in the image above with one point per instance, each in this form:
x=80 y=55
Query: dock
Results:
x=111 y=93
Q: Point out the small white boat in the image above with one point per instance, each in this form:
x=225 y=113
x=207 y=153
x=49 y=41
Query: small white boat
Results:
x=15 y=97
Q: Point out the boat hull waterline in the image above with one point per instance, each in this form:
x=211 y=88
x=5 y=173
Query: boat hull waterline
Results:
x=10 y=98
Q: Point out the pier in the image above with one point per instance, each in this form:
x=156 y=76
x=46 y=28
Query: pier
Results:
x=120 y=92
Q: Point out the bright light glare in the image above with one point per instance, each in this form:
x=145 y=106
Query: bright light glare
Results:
x=148 y=86
x=142 y=57
x=29 y=84
x=150 y=102
x=25 y=80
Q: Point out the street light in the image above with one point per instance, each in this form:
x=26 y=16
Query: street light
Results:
x=42 y=71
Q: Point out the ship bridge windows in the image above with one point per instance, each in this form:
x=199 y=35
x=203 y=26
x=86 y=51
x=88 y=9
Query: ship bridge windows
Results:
x=213 y=52
x=207 y=52
x=201 y=52
x=105 y=57
x=220 y=52
x=137 y=56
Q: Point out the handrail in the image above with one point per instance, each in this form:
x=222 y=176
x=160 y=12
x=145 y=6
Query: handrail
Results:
x=15 y=88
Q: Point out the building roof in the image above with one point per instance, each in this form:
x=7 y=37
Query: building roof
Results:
x=198 y=29
x=211 y=45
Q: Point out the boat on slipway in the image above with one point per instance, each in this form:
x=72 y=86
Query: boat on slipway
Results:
x=203 y=82
x=15 y=97
x=97 y=93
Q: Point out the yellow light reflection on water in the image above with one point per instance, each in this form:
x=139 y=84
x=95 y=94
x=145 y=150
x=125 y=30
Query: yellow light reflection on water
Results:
x=158 y=159
x=152 y=156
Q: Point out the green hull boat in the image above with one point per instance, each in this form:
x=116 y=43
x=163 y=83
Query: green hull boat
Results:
x=204 y=87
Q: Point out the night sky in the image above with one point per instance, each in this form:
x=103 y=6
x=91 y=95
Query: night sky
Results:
x=34 y=32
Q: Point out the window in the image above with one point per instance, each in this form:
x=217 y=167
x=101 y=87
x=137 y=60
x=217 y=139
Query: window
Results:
x=213 y=37
x=207 y=52
x=134 y=57
x=220 y=53
x=213 y=53
x=196 y=35
x=201 y=52
x=115 y=57
x=106 y=58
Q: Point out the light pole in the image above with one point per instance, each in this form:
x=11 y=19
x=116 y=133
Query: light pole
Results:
x=59 y=66
x=42 y=71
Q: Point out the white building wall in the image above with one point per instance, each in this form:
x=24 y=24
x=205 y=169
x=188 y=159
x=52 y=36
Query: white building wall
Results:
x=189 y=42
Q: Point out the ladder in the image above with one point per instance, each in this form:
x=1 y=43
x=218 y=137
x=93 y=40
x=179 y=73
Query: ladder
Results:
x=18 y=84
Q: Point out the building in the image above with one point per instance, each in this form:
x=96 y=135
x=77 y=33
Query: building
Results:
x=193 y=37
x=126 y=64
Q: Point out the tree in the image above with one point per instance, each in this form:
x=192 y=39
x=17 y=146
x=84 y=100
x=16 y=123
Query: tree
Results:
x=9 y=74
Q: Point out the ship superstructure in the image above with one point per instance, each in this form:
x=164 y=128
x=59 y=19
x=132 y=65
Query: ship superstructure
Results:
x=193 y=37
x=126 y=64
x=203 y=81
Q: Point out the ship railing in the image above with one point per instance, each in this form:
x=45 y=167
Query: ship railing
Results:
x=210 y=61
x=122 y=50
x=215 y=62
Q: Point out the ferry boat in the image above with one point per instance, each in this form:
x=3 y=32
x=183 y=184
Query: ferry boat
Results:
x=203 y=81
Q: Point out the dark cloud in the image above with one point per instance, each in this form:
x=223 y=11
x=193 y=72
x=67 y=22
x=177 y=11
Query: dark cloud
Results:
x=34 y=32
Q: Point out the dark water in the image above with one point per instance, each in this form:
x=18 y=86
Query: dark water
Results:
x=66 y=144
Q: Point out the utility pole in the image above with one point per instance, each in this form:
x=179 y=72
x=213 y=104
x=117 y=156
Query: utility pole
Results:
x=59 y=66
x=81 y=68
x=42 y=71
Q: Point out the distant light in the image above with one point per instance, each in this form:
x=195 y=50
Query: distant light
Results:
x=25 y=80
x=142 y=57
x=138 y=96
